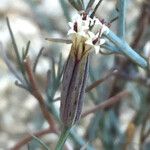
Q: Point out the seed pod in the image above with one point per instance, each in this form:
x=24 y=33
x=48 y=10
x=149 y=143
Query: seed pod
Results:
x=73 y=85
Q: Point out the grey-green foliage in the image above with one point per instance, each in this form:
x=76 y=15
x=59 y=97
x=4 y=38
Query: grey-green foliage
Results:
x=104 y=125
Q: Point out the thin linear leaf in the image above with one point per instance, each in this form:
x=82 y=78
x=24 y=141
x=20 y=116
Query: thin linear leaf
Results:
x=22 y=86
x=59 y=40
x=26 y=50
x=74 y=4
x=114 y=19
x=28 y=145
x=65 y=9
x=95 y=9
x=89 y=6
x=40 y=142
x=15 y=46
x=62 y=139
x=37 y=59
x=60 y=64
x=80 y=4
x=53 y=70
x=10 y=65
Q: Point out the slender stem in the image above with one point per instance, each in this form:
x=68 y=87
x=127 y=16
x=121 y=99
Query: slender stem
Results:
x=25 y=53
x=19 y=61
x=142 y=25
x=107 y=103
x=21 y=85
x=40 y=142
x=36 y=93
x=10 y=64
x=28 y=138
x=89 y=5
x=114 y=19
x=74 y=4
x=95 y=9
x=37 y=59
x=120 y=42
x=59 y=40
x=97 y=82
x=14 y=42
x=126 y=49
x=121 y=19
x=78 y=139
x=63 y=137
x=110 y=47
x=65 y=10
x=15 y=48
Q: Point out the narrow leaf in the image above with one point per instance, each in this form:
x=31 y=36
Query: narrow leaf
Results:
x=74 y=4
x=89 y=6
x=40 y=142
x=15 y=46
x=95 y=9
x=60 y=64
x=37 y=59
x=26 y=50
x=65 y=9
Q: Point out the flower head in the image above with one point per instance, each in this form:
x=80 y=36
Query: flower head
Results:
x=87 y=30
x=85 y=33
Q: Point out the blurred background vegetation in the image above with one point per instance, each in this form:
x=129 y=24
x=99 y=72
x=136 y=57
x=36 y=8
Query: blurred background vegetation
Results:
x=125 y=126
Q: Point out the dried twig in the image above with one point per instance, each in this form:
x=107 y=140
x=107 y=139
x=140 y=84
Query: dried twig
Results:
x=143 y=24
x=29 y=137
x=144 y=81
x=35 y=92
x=96 y=83
x=107 y=103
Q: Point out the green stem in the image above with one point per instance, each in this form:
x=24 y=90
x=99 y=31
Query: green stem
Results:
x=126 y=49
x=95 y=9
x=121 y=20
x=63 y=137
